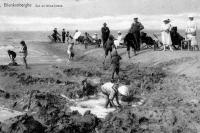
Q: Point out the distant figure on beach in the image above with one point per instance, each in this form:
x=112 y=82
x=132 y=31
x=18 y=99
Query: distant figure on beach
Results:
x=24 y=51
x=70 y=50
x=135 y=29
x=108 y=46
x=56 y=35
x=165 y=34
x=67 y=36
x=12 y=56
x=63 y=35
x=105 y=33
x=115 y=63
x=130 y=42
x=191 y=32
x=119 y=41
x=86 y=40
x=76 y=36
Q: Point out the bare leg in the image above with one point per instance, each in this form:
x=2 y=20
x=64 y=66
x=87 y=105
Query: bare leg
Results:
x=25 y=62
x=164 y=47
x=171 y=49
x=129 y=54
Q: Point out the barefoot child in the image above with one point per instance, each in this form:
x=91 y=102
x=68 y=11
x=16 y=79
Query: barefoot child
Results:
x=115 y=63
x=70 y=48
x=24 y=51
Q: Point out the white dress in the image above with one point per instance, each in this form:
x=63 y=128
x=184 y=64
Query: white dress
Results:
x=119 y=41
x=166 y=37
x=191 y=32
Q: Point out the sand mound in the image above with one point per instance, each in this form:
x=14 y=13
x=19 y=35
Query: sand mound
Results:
x=22 y=124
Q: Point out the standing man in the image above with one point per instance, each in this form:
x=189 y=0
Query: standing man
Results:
x=191 y=32
x=63 y=35
x=105 y=33
x=135 y=29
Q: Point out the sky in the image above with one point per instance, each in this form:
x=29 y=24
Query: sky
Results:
x=90 y=14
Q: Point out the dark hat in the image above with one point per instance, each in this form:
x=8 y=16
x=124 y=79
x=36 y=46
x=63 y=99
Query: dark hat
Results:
x=135 y=18
x=166 y=20
x=104 y=23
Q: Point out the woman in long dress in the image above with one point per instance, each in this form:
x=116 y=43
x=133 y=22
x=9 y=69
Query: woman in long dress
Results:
x=191 y=32
x=165 y=34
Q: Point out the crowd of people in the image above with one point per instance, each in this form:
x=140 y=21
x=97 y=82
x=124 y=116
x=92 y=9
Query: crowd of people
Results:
x=133 y=39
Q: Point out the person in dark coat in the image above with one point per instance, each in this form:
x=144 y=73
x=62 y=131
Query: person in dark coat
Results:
x=63 y=35
x=105 y=33
x=130 y=42
x=135 y=29
x=108 y=46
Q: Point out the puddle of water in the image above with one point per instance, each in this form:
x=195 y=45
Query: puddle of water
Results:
x=96 y=106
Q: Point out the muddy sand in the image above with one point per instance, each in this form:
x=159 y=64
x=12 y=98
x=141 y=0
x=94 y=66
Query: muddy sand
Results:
x=47 y=98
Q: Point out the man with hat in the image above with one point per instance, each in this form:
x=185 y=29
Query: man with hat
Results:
x=135 y=29
x=105 y=33
x=191 y=32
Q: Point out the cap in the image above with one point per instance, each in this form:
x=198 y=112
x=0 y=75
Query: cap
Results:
x=166 y=20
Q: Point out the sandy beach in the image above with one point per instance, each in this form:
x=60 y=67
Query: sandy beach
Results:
x=168 y=81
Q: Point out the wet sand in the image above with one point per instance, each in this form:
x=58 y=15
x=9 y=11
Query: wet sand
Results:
x=175 y=95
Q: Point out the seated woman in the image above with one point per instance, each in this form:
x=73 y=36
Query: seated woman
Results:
x=119 y=41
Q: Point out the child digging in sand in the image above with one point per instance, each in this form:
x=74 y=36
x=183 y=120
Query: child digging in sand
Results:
x=70 y=48
x=12 y=56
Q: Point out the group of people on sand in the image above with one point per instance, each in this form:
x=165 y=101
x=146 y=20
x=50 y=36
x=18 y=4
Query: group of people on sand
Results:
x=133 y=40
x=190 y=34
x=56 y=35
x=24 y=51
x=112 y=90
